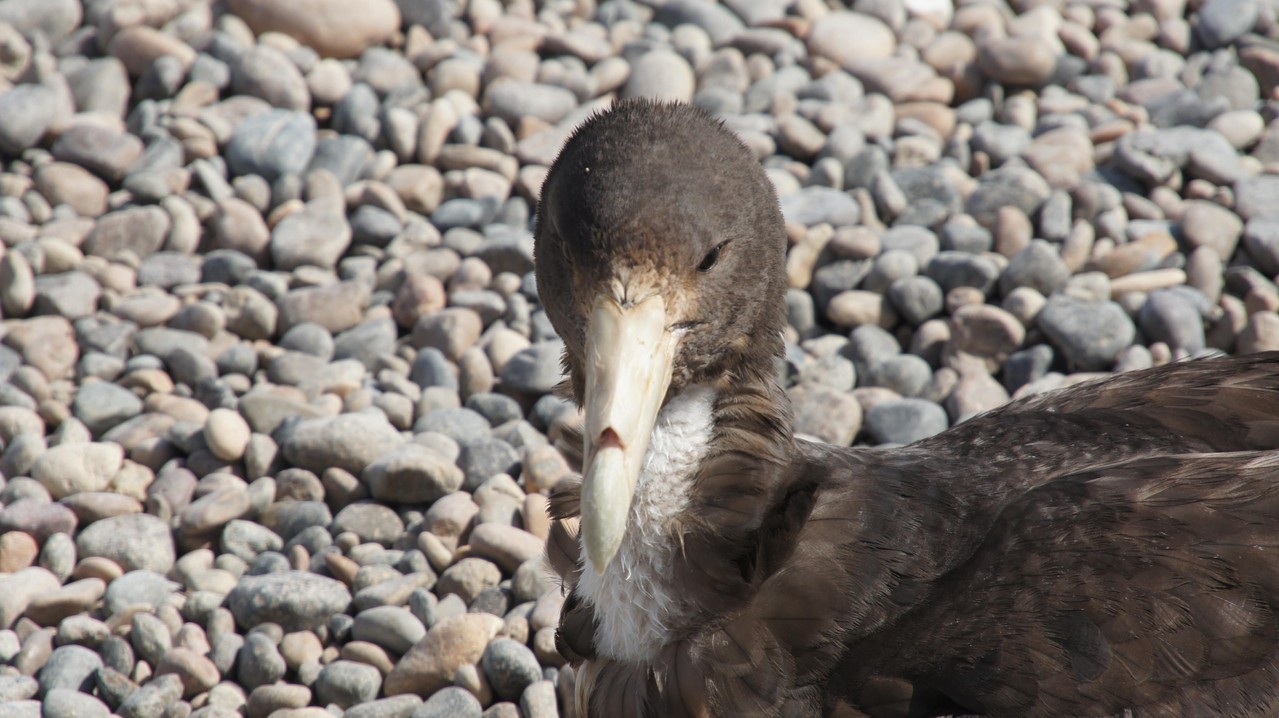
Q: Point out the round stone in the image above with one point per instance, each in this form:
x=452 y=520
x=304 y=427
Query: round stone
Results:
x=450 y=702
x=227 y=434
x=332 y=28
x=451 y=643
x=1090 y=334
x=510 y=667
x=347 y=683
x=134 y=541
x=905 y=421
x=295 y=600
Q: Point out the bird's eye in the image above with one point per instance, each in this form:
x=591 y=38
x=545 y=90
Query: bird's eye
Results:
x=711 y=259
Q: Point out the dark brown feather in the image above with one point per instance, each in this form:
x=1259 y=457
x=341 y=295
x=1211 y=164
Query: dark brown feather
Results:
x=1110 y=546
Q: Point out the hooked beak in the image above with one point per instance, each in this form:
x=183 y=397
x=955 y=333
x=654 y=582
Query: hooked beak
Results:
x=629 y=353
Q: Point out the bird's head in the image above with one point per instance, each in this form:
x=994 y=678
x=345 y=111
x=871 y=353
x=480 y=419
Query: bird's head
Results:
x=659 y=258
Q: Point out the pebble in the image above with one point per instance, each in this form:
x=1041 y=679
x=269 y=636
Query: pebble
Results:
x=74 y=186
x=69 y=469
x=20 y=588
x=985 y=332
x=1140 y=255
x=69 y=668
x=103 y=150
x=828 y=38
x=450 y=702
x=272 y=145
x=507 y=546
x=1017 y=60
x=317 y=236
x=468 y=578
x=46 y=343
x=151 y=699
x=1089 y=334
x=905 y=421
x=1206 y=224
x=952 y=269
x=134 y=541
x=451 y=331
x=347 y=683
x=265 y=700
x=916 y=299
x=974 y=393
x=103 y=405
x=267 y=73
x=391 y=627
x=313 y=25
x=64 y=703
x=198 y=673
x=137 y=588
x=26 y=112
x=828 y=414
x=1261 y=239
x=903 y=374
x=1221 y=22
x=54 y=19
x=661 y=75
x=1172 y=317
x=73 y=598
x=349 y=441
x=336 y=307
x=510 y=667
x=130 y=234
x=432 y=662
x=1039 y=266
x=485 y=457
x=535 y=370
x=18 y=550
x=1011 y=186
x=512 y=100
x=820 y=205
x=412 y=473
x=227 y=434
x=212 y=511
x=539 y=700
x=292 y=599
x=369 y=521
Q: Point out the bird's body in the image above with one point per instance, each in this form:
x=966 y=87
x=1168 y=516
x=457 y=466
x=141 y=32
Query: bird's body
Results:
x=1110 y=547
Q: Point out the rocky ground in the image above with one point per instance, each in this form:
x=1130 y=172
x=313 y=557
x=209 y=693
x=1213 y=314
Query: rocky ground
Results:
x=274 y=380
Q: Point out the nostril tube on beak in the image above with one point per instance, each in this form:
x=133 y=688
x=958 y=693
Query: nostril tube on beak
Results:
x=608 y=439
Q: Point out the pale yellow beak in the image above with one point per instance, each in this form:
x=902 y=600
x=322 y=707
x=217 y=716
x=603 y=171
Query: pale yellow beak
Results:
x=629 y=352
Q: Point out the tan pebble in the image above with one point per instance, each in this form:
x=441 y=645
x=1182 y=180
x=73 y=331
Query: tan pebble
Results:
x=97 y=567
x=537 y=520
x=507 y=546
x=18 y=550
x=1147 y=281
x=299 y=647
x=1141 y=255
x=439 y=555
x=368 y=653
x=856 y=307
x=1261 y=333
x=451 y=643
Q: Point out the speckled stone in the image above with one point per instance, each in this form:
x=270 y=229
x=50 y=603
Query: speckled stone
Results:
x=293 y=599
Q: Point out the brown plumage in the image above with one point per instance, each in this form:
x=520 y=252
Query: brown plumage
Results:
x=1109 y=547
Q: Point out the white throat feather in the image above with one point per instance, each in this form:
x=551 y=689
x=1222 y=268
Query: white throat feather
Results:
x=634 y=600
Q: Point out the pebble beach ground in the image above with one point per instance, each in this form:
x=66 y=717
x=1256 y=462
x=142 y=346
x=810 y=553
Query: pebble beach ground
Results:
x=275 y=411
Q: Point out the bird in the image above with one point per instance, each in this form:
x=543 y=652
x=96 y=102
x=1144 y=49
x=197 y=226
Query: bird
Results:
x=1106 y=548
